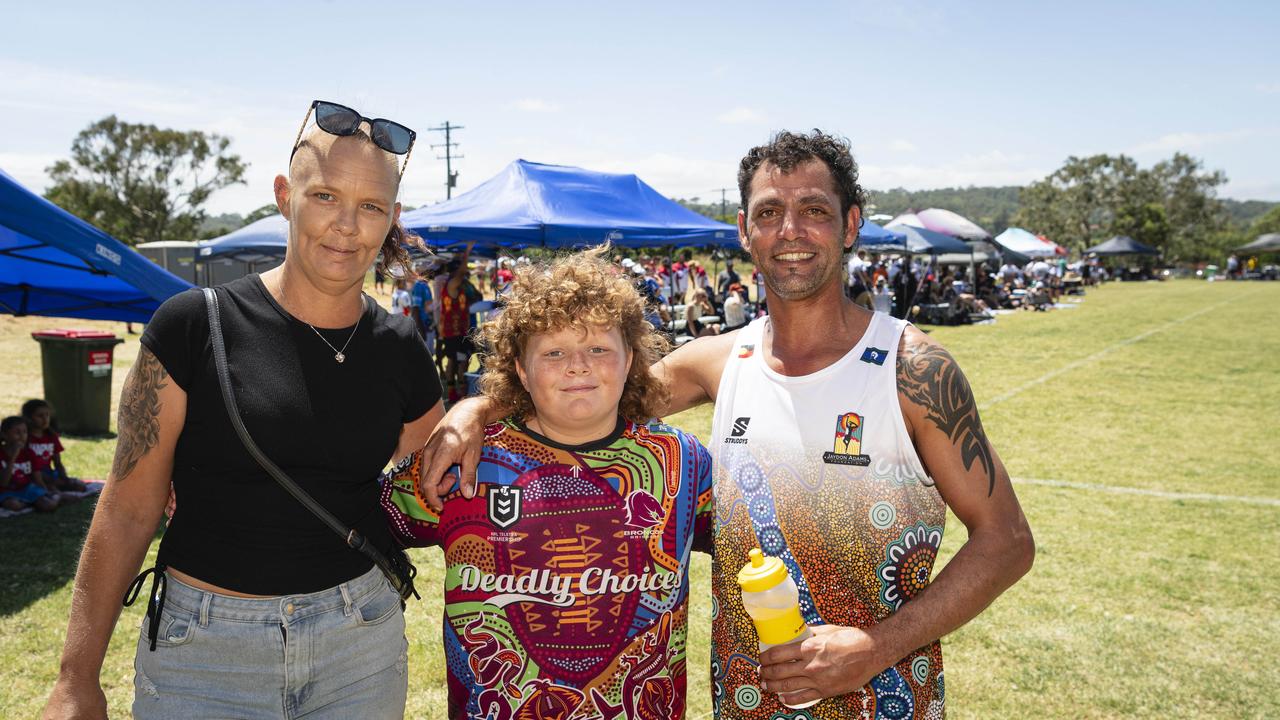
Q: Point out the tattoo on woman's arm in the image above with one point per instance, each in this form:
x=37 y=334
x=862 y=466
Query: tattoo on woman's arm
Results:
x=930 y=377
x=139 y=419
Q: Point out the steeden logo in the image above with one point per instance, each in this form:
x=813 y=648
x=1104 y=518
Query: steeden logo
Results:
x=739 y=429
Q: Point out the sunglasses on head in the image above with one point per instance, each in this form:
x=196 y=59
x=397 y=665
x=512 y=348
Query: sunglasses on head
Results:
x=341 y=120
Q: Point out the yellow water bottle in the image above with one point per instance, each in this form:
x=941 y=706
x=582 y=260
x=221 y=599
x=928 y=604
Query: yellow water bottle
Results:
x=771 y=598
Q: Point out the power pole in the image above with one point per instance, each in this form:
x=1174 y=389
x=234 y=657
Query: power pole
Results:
x=451 y=177
x=724 y=203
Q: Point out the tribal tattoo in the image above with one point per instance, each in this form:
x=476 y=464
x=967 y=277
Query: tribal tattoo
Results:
x=930 y=377
x=139 y=419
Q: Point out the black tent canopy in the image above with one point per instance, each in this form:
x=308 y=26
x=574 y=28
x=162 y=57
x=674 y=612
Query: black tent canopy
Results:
x=1121 y=245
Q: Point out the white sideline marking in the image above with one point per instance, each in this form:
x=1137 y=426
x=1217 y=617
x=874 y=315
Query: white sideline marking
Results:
x=1101 y=353
x=1121 y=490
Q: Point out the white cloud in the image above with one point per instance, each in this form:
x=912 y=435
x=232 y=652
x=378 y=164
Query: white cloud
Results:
x=740 y=116
x=1268 y=88
x=1186 y=141
x=907 y=17
x=535 y=105
x=901 y=145
x=986 y=169
x=1265 y=189
x=28 y=169
x=46 y=88
x=676 y=175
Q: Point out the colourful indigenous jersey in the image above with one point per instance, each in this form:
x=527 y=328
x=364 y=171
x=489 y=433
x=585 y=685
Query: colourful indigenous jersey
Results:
x=567 y=575
x=818 y=470
x=44 y=447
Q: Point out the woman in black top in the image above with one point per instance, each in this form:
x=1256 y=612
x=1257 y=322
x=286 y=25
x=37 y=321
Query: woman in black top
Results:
x=267 y=613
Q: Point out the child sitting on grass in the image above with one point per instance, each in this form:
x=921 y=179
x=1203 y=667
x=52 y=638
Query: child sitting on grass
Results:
x=21 y=485
x=44 y=442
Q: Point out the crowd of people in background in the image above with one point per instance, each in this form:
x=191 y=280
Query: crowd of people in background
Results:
x=449 y=296
x=31 y=471
x=1249 y=268
x=687 y=300
x=914 y=287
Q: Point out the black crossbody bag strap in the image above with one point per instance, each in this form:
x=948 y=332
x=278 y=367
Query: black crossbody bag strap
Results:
x=400 y=574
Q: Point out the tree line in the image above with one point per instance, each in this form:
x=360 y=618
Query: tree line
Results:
x=142 y=183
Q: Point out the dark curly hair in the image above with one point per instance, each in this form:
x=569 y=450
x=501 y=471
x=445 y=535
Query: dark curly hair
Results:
x=787 y=150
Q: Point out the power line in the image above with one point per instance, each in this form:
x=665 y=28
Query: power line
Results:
x=451 y=177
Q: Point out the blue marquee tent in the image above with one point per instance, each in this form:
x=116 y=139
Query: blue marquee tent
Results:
x=555 y=206
x=873 y=237
x=265 y=238
x=922 y=241
x=52 y=263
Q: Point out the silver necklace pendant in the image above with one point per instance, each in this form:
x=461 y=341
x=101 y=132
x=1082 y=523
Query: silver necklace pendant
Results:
x=340 y=355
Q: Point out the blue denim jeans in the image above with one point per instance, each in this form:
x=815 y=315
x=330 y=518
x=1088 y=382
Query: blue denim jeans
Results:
x=337 y=653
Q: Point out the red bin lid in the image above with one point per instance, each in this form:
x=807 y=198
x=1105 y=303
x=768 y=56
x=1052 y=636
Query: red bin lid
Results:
x=72 y=334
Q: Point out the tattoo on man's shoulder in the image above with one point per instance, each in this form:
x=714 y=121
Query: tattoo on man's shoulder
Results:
x=139 y=418
x=930 y=377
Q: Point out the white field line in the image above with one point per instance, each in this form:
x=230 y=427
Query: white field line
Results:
x=1097 y=356
x=1121 y=490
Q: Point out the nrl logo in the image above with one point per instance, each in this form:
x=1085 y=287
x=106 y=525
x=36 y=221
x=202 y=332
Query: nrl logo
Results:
x=504 y=505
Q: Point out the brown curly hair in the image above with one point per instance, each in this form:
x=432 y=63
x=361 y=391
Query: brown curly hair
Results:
x=578 y=290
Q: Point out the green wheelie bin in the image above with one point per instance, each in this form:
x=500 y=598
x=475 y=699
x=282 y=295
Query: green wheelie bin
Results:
x=77 y=378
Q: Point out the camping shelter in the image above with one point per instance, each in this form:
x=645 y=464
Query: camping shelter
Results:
x=1263 y=243
x=556 y=206
x=922 y=241
x=256 y=247
x=873 y=237
x=1023 y=243
x=953 y=224
x=265 y=238
x=1121 y=245
x=906 y=218
x=52 y=263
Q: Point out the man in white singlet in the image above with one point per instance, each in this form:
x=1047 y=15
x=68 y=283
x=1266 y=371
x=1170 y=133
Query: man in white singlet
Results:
x=840 y=438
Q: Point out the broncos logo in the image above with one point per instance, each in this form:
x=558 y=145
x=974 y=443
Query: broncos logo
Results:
x=647 y=691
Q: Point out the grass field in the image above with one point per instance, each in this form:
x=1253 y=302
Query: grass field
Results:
x=1143 y=432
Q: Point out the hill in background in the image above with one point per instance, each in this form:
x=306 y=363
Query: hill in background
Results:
x=990 y=207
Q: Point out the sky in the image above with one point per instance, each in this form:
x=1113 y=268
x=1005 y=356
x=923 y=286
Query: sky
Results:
x=930 y=94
